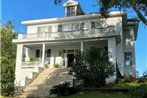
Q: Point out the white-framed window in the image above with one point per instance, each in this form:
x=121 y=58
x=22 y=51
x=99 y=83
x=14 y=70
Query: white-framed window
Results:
x=44 y=29
x=75 y=27
x=128 y=58
x=37 y=53
x=67 y=27
x=59 y=28
x=71 y=11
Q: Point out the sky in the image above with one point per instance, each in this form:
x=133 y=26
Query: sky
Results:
x=21 y=10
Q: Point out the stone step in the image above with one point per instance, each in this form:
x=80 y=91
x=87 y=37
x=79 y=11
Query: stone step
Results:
x=48 y=78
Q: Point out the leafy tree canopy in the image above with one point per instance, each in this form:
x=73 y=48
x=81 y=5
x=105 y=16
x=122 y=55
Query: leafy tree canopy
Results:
x=139 y=6
x=7 y=59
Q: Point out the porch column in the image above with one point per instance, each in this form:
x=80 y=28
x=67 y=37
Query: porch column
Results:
x=19 y=56
x=82 y=46
x=112 y=50
x=43 y=54
x=27 y=58
x=112 y=56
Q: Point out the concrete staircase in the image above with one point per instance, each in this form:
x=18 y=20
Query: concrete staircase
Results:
x=40 y=87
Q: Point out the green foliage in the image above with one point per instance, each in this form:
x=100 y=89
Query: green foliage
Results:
x=7 y=77
x=93 y=67
x=7 y=59
x=46 y=66
x=63 y=89
x=139 y=92
x=33 y=58
x=8 y=49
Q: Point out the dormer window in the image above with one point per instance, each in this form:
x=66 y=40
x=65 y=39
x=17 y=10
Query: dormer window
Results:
x=71 y=11
x=72 y=8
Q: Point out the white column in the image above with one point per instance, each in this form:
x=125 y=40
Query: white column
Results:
x=112 y=50
x=27 y=58
x=43 y=54
x=82 y=46
x=112 y=57
x=19 y=56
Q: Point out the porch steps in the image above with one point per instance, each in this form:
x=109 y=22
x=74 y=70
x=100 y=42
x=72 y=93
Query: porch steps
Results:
x=40 y=87
x=28 y=81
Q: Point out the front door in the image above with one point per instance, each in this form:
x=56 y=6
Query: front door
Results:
x=70 y=59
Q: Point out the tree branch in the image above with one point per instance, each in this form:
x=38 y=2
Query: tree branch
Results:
x=139 y=14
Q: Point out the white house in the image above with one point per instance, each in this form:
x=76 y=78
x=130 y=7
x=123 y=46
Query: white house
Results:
x=55 y=41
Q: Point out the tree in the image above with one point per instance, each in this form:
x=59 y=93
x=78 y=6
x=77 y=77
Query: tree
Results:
x=7 y=59
x=139 y=6
x=93 y=67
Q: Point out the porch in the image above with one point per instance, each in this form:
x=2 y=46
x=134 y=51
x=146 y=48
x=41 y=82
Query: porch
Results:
x=61 y=54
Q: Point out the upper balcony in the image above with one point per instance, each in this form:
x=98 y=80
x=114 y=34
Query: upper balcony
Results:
x=68 y=35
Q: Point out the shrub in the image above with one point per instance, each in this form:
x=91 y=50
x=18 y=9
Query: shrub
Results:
x=7 y=77
x=139 y=92
x=46 y=66
x=92 y=67
x=63 y=89
x=56 y=65
x=33 y=58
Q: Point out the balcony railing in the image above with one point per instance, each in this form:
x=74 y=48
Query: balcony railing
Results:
x=85 y=33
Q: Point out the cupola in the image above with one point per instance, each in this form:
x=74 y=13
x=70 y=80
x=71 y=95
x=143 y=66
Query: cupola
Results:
x=72 y=8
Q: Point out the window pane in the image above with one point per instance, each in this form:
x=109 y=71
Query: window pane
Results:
x=75 y=27
x=39 y=30
x=59 y=28
x=48 y=52
x=128 y=59
x=49 y=29
x=37 y=53
x=72 y=11
x=44 y=29
x=92 y=24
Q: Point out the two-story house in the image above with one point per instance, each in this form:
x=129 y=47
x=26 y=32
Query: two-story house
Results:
x=55 y=41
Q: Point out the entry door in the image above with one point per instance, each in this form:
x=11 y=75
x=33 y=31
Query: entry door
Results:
x=70 y=59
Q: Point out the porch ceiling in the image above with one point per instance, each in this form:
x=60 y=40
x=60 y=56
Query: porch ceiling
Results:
x=93 y=42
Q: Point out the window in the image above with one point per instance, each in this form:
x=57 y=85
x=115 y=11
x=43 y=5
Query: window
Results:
x=128 y=58
x=71 y=11
x=44 y=29
x=76 y=27
x=92 y=24
x=66 y=27
x=82 y=26
x=37 y=53
x=48 y=52
x=59 y=28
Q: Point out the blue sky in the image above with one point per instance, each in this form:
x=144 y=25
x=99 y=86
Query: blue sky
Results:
x=20 y=10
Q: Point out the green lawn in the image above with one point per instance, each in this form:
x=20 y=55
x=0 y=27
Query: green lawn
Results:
x=123 y=85
x=97 y=95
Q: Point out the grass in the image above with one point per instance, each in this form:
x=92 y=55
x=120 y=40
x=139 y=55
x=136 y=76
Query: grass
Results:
x=97 y=95
x=123 y=85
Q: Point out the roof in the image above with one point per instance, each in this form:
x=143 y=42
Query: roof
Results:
x=72 y=18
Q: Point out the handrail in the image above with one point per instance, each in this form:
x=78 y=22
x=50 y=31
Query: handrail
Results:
x=106 y=31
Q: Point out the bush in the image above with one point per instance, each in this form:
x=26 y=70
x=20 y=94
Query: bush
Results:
x=7 y=77
x=63 y=89
x=33 y=58
x=139 y=92
x=56 y=65
x=45 y=66
x=92 y=67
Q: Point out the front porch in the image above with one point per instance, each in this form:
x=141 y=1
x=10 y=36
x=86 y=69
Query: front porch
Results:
x=61 y=54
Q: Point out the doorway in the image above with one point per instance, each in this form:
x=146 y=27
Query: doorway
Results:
x=70 y=59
